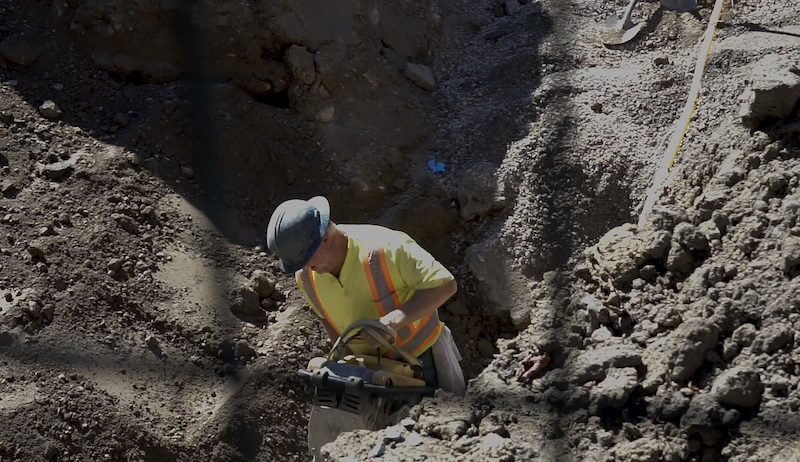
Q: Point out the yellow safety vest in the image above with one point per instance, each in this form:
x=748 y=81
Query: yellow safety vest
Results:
x=415 y=337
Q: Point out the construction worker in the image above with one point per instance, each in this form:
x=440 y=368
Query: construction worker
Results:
x=354 y=272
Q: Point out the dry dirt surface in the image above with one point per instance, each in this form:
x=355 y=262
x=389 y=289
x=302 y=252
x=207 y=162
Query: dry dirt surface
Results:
x=144 y=144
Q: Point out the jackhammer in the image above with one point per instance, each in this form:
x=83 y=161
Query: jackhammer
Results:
x=357 y=391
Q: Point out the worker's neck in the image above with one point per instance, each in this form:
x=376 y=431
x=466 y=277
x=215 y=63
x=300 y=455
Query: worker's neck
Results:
x=340 y=251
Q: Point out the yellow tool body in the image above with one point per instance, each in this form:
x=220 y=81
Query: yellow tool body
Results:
x=395 y=380
x=390 y=372
x=356 y=402
x=384 y=364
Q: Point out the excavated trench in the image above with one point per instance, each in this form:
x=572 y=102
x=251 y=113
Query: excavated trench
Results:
x=497 y=134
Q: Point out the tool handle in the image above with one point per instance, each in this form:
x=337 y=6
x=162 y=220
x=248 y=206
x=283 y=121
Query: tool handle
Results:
x=374 y=329
x=355 y=385
x=626 y=18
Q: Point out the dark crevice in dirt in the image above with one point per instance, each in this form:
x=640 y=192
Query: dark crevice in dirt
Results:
x=132 y=78
x=157 y=453
x=277 y=100
x=751 y=26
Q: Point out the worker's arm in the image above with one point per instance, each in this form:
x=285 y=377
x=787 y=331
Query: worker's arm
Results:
x=332 y=334
x=421 y=304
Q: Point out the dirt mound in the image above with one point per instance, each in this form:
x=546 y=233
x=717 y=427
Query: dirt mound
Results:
x=671 y=341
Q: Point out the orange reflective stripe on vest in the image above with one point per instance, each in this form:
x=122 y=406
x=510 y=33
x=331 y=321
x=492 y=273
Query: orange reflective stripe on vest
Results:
x=311 y=290
x=383 y=292
x=414 y=339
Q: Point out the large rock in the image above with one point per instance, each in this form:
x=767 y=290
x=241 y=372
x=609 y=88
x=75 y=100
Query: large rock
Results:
x=56 y=170
x=262 y=283
x=301 y=63
x=613 y=392
x=444 y=418
x=713 y=198
x=772 y=338
x=595 y=364
x=479 y=193
x=744 y=335
x=666 y=217
x=739 y=386
x=679 y=259
x=244 y=300
x=667 y=406
x=728 y=316
x=687 y=235
x=325 y=113
x=681 y=353
x=511 y=6
x=708 y=419
x=50 y=110
x=19 y=51
x=251 y=84
x=421 y=75
x=790 y=253
x=773 y=92
x=620 y=253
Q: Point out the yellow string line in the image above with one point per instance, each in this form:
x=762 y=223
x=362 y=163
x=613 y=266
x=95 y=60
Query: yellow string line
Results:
x=686 y=118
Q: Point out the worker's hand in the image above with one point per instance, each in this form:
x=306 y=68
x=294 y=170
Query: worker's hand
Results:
x=371 y=341
x=395 y=320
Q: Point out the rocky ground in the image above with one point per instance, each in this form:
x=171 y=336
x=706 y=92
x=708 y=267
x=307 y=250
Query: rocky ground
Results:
x=145 y=144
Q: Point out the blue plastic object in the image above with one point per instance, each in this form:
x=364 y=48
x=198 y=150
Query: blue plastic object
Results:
x=436 y=167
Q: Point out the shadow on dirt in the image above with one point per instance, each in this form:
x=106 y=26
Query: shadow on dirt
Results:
x=174 y=132
x=758 y=28
x=179 y=131
x=264 y=419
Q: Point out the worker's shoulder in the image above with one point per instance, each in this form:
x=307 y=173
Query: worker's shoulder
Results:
x=299 y=275
x=376 y=237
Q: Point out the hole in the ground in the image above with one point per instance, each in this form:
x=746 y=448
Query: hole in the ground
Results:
x=272 y=54
x=157 y=453
x=135 y=78
x=278 y=100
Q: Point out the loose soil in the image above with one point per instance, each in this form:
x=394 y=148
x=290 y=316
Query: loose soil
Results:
x=144 y=146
